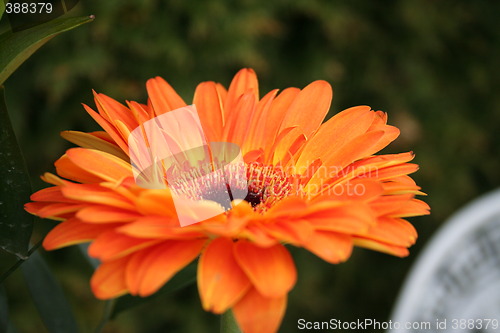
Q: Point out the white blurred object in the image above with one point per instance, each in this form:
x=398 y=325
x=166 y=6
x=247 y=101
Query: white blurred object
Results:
x=457 y=275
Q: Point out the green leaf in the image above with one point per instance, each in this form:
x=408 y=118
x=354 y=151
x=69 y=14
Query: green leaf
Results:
x=48 y=296
x=228 y=323
x=181 y=280
x=4 y=307
x=16 y=47
x=2 y=8
x=15 y=188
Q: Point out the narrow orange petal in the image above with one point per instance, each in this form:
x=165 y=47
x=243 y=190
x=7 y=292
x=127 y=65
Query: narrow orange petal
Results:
x=330 y=246
x=335 y=133
x=244 y=81
x=69 y=170
x=398 y=251
x=98 y=194
x=108 y=127
x=159 y=227
x=309 y=108
x=272 y=122
x=51 y=194
x=208 y=103
x=103 y=165
x=111 y=245
x=57 y=210
x=413 y=207
x=238 y=120
x=156 y=202
x=72 y=231
x=148 y=270
x=108 y=280
x=91 y=141
x=162 y=96
x=256 y=129
x=221 y=281
x=358 y=148
x=271 y=269
x=348 y=218
x=258 y=314
x=105 y=214
x=295 y=231
x=393 y=231
x=114 y=110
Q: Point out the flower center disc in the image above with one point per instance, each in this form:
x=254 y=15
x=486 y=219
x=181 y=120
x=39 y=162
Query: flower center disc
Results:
x=261 y=186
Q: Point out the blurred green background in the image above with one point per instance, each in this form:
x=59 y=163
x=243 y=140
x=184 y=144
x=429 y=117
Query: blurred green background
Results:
x=432 y=65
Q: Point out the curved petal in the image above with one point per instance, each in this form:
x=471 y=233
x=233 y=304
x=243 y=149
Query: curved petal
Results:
x=398 y=251
x=100 y=164
x=244 y=81
x=162 y=96
x=309 y=108
x=106 y=214
x=71 y=232
x=108 y=280
x=111 y=245
x=335 y=133
x=330 y=246
x=258 y=314
x=148 y=270
x=208 y=101
x=270 y=269
x=92 y=141
x=221 y=281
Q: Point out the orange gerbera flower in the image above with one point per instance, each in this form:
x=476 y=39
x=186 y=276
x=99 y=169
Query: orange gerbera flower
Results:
x=311 y=185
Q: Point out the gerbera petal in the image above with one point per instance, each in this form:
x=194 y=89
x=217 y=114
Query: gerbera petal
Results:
x=108 y=280
x=330 y=246
x=414 y=207
x=236 y=127
x=244 y=81
x=221 y=281
x=103 y=165
x=156 y=202
x=271 y=269
x=256 y=313
x=110 y=245
x=208 y=101
x=96 y=193
x=341 y=217
x=290 y=231
x=345 y=125
x=256 y=129
x=105 y=214
x=72 y=231
x=150 y=269
x=69 y=170
x=356 y=149
x=315 y=97
x=272 y=122
x=57 y=210
x=393 y=231
x=51 y=194
x=91 y=141
x=113 y=110
x=163 y=97
x=159 y=227
x=109 y=128
x=398 y=251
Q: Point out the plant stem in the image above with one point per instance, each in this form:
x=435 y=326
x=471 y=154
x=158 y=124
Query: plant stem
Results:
x=228 y=323
x=19 y=262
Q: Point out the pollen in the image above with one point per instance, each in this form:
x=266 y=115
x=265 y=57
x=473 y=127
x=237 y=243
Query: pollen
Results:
x=260 y=185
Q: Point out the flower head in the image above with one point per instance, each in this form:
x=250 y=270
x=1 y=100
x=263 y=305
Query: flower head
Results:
x=308 y=184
